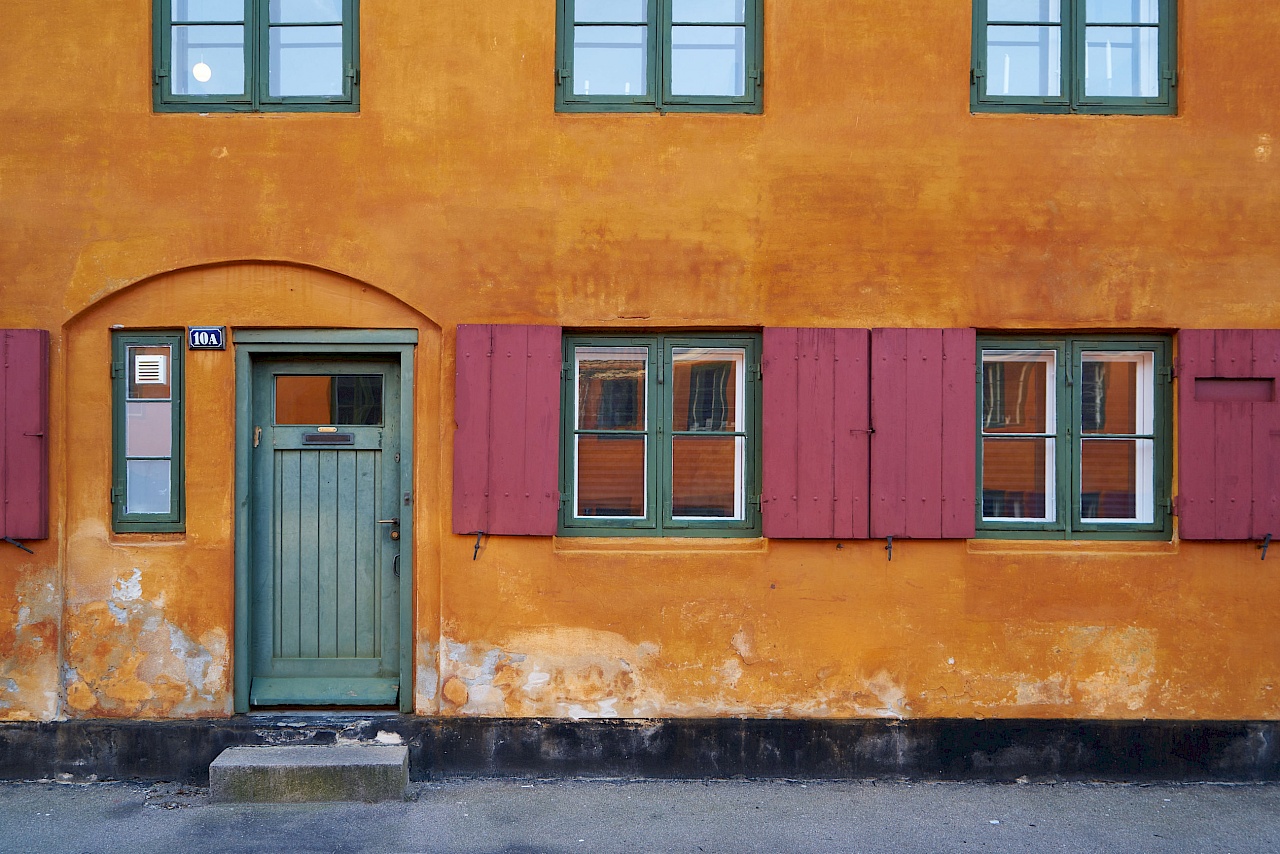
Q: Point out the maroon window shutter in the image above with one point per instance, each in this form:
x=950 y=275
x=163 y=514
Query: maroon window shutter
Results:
x=506 y=448
x=923 y=451
x=24 y=422
x=816 y=442
x=1228 y=434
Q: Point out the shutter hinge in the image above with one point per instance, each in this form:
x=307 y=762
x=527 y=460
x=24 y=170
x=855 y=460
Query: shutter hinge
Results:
x=1171 y=74
x=754 y=499
x=755 y=74
x=160 y=74
x=1171 y=506
x=975 y=74
x=117 y=495
x=1169 y=374
x=757 y=371
x=117 y=370
x=562 y=74
x=563 y=498
x=565 y=370
x=353 y=74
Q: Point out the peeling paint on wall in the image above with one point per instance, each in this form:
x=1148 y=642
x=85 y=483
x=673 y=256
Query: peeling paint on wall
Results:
x=126 y=658
x=29 y=646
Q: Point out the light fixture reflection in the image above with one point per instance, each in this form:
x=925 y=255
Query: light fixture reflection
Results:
x=201 y=72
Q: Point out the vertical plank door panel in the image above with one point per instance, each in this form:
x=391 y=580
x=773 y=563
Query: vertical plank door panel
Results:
x=959 y=432
x=24 y=433
x=1197 y=438
x=889 y=444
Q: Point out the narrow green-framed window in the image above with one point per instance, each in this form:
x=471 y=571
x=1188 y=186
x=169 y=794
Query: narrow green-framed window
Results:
x=659 y=55
x=256 y=55
x=1074 y=438
x=147 y=437
x=1074 y=56
x=661 y=436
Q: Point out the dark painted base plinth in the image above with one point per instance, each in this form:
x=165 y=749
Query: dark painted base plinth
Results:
x=993 y=750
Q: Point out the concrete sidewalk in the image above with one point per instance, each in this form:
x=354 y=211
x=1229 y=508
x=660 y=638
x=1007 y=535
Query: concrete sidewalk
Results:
x=515 y=816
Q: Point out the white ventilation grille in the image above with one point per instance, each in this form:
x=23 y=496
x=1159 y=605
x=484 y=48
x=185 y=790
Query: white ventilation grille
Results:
x=149 y=370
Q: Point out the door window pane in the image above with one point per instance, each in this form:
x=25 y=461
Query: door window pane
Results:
x=319 y=400
x=610 y=476
x=706 y=477
x=1122 y=62
x=208 y=60
x=1018 y=479
x=708 y=61
x=306 y=61
x=149 y=371
x=610 y=60
x=1024 y=61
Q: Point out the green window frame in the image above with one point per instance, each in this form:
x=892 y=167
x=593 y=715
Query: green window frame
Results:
x=147 y=492
x=268 y=56
x=1077 y=45
x=670 y=43
x=1074 y=438
x=688 y=402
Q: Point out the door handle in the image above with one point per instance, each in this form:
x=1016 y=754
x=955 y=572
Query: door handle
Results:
x=395 y=532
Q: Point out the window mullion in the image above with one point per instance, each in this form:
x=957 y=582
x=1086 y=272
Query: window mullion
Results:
x=659 y=498
x=660 y=51
x=256 y=34
x=1069 y=450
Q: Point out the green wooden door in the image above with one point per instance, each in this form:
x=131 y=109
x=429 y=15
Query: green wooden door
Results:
x=325 y=516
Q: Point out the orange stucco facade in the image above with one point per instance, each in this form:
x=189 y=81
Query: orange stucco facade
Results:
x=866 y=194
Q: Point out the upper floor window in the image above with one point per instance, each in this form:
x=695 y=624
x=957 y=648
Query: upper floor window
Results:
x=1074 y=56
x=1074 y=438
x=661 y=435
x=147 y=435
x=663 y=55
x=245 y=55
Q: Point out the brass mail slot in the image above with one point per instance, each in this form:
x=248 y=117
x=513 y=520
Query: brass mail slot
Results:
x=328 y=438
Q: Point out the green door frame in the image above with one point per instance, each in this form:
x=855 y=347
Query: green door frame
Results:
x=253 y=344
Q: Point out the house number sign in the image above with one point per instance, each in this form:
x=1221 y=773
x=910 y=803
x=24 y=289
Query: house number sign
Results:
x=206 y=337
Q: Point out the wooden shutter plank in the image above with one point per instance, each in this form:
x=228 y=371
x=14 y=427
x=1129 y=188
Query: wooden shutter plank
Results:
x=472 y=399
x=853 y=433
x=1233 y=472
x=24 y=425
x=816 y=391
x=781 y=432
x=924 y=421
x=1197 y=439
x=959 y=436
x=889 y=445
x=1266 y=439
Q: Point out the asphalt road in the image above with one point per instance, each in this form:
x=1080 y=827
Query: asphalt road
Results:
x=525 y=816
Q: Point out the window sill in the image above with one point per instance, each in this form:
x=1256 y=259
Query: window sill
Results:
x=147 y=538
x=1073 y=547
x=660 y=545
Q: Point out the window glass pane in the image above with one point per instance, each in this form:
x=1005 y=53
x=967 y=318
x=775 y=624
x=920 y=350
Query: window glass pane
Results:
x=306 y=61
x=1024 y=61
x=1116 y=480
x=600 y=11
x=1122 y=11
x=706 y=392
x=1018 y=394
x=1038 y=11
x=147 y=486
x=207 y=10
x=1122 y=62
x=706 y=477
x=148 y=429
x=610 y=476
x=1117 y=393
x=306 y=11
x=350 y=400
x=610 y=60
x=207 y=60
x=708 y=61
x=709 y=11
x=149 y=371
x=611 y=388
x=1018 y=479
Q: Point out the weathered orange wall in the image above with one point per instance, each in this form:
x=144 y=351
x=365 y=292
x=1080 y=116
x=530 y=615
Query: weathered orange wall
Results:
x=865 y=195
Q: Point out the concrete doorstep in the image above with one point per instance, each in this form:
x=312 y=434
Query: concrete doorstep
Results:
x=302 y=773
